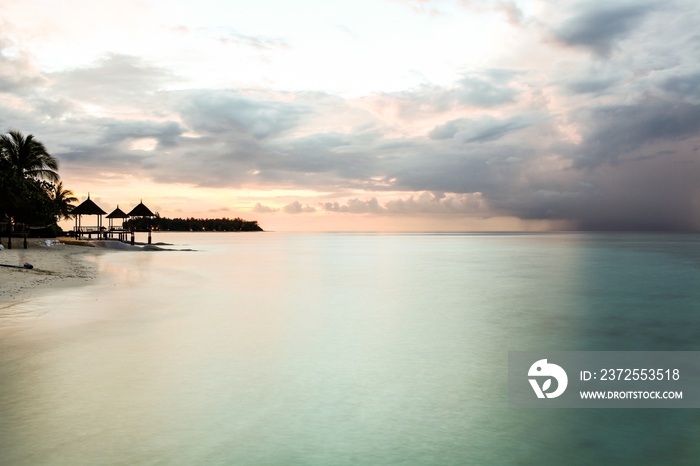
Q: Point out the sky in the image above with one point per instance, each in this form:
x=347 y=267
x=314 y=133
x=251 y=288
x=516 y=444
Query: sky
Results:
x=382 y=115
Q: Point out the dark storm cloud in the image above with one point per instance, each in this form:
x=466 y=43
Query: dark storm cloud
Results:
x=654 y=194
x=613 y=132
x=684 y=85
x=598 y=26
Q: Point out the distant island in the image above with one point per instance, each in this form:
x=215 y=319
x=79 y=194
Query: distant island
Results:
x=159 y=223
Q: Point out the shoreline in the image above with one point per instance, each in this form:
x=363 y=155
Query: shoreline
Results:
x=57 y=266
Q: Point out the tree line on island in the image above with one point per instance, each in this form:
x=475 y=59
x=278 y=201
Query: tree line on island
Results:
x=159 y=223
x=32 y=194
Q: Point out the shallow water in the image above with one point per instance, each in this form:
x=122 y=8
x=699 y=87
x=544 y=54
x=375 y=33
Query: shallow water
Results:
x=333 y=349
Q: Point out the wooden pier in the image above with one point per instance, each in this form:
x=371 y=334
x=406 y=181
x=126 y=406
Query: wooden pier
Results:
x=113 y=230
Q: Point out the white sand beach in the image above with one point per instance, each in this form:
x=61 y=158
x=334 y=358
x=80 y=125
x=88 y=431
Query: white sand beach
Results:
x=55 y=266
x=57 y=263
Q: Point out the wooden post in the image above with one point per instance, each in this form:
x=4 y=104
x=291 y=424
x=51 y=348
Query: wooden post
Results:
x=25 y=241
x=9 y=235
x=132 y=237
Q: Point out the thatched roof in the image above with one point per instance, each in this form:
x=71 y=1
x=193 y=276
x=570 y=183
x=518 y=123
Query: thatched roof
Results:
x=88 y=208
x=118 y=213
x=141 y=211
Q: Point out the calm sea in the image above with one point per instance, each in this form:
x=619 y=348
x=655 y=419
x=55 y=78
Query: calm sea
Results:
x=344 y=349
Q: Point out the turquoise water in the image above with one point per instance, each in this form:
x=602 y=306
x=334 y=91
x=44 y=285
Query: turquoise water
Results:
x=344 y=349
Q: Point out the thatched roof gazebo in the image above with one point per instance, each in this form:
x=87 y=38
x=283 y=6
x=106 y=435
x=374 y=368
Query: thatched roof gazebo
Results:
x=117 y=213
x=143 y=212
x=88 y=207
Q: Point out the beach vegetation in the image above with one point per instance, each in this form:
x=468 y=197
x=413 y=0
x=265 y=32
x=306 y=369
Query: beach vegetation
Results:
x=30 y=188
x=63 y=200
x=28 y=158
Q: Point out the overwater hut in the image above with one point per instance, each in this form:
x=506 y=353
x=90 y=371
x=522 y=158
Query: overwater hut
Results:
x=117 y=214
x=88 y=207
x=141 y=211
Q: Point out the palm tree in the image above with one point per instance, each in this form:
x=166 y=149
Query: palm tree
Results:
x=62 y=199
x=27 y=158
x=27 y=174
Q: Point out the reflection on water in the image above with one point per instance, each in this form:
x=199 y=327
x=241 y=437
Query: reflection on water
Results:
x=345 y=349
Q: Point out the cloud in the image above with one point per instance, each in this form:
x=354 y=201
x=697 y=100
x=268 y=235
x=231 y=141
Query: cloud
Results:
x=487 y=91
x=438 y=203
x=598 y=26
x=114 y=131
x=482 y=130
x=257 y=42
x=651 y=194
x=514 y=15
x=684 y=85
x=484 y=90
x=296 y=208
x=615 y=131
x=424 y=203
x=355 y=206
x=263 y=209
x=112 y=79
x=17 y=70
x=221 y=111
x=590 y=85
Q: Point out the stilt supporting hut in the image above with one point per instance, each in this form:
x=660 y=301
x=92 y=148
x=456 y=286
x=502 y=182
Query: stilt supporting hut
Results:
x=117 y=214
x=141 y=211
x=88 y=207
